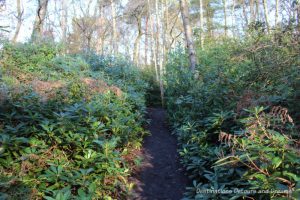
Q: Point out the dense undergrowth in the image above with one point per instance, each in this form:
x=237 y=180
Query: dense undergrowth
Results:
x=153 y=95
x=68 y=124
x=237 y=117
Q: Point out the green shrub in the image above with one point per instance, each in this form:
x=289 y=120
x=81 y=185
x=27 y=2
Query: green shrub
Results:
x=27 y=56
x=121 y=73
x=61 y=138
x=217 y=102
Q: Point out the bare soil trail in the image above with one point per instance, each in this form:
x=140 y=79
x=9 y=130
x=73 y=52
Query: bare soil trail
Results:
x=161 y=176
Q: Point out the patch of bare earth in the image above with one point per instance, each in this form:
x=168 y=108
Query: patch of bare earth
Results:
x=160 y=177
x=48 y=89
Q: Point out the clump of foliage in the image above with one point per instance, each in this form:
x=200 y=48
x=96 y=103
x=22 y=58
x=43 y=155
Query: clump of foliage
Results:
x=120 y=72
x=233 y=117
x=61 y=138
x=153 y=98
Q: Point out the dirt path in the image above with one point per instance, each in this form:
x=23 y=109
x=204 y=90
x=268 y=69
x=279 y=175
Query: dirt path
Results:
x=161 y=176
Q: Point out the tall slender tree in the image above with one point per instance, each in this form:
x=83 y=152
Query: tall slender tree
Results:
x=276 y=11
x=153 y=43
x=64 y=22
x=257 y=11
x=233 y=18
x=137 y=40
x=146 y=39
x=188 y=33
x=252 y=11
x=39 y=19
x=225 y=17
x=266 y=15
x=100 y=29
x=201 y=23
x=114 y=26
x=159 y=50
x=245 y=14
x=20 y=12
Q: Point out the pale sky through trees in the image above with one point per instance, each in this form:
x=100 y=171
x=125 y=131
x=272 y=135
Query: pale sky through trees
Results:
x=29 y=15
x=8 y=19
x=160 y=25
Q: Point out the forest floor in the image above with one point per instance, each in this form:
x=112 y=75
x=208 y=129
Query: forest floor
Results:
x=160 y=176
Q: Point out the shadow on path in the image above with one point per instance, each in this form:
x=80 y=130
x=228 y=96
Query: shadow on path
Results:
x=161 y=176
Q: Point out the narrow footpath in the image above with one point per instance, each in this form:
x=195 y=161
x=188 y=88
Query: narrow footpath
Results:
x=161 y=176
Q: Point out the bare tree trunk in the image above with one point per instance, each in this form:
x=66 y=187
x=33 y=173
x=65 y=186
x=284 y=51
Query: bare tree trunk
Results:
x=276 y=12
x=20 y=12
x=159 y=52
x=188 y=34
x=153 y=52
x=64 y=23
x=201 y=23
x=102 y=40
x=298 y=16
x=266 y=15
x=233 y=17
x=146 y=41
x=257 y=14
x=245 y=13
x=165 y=28
x=99 y=46
x=39 y=19
x=252 y=13
x=157 y=36
x=209 y=19
x=137 y=41
x=294 y=12
x=225 y=17
x=114 y=26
